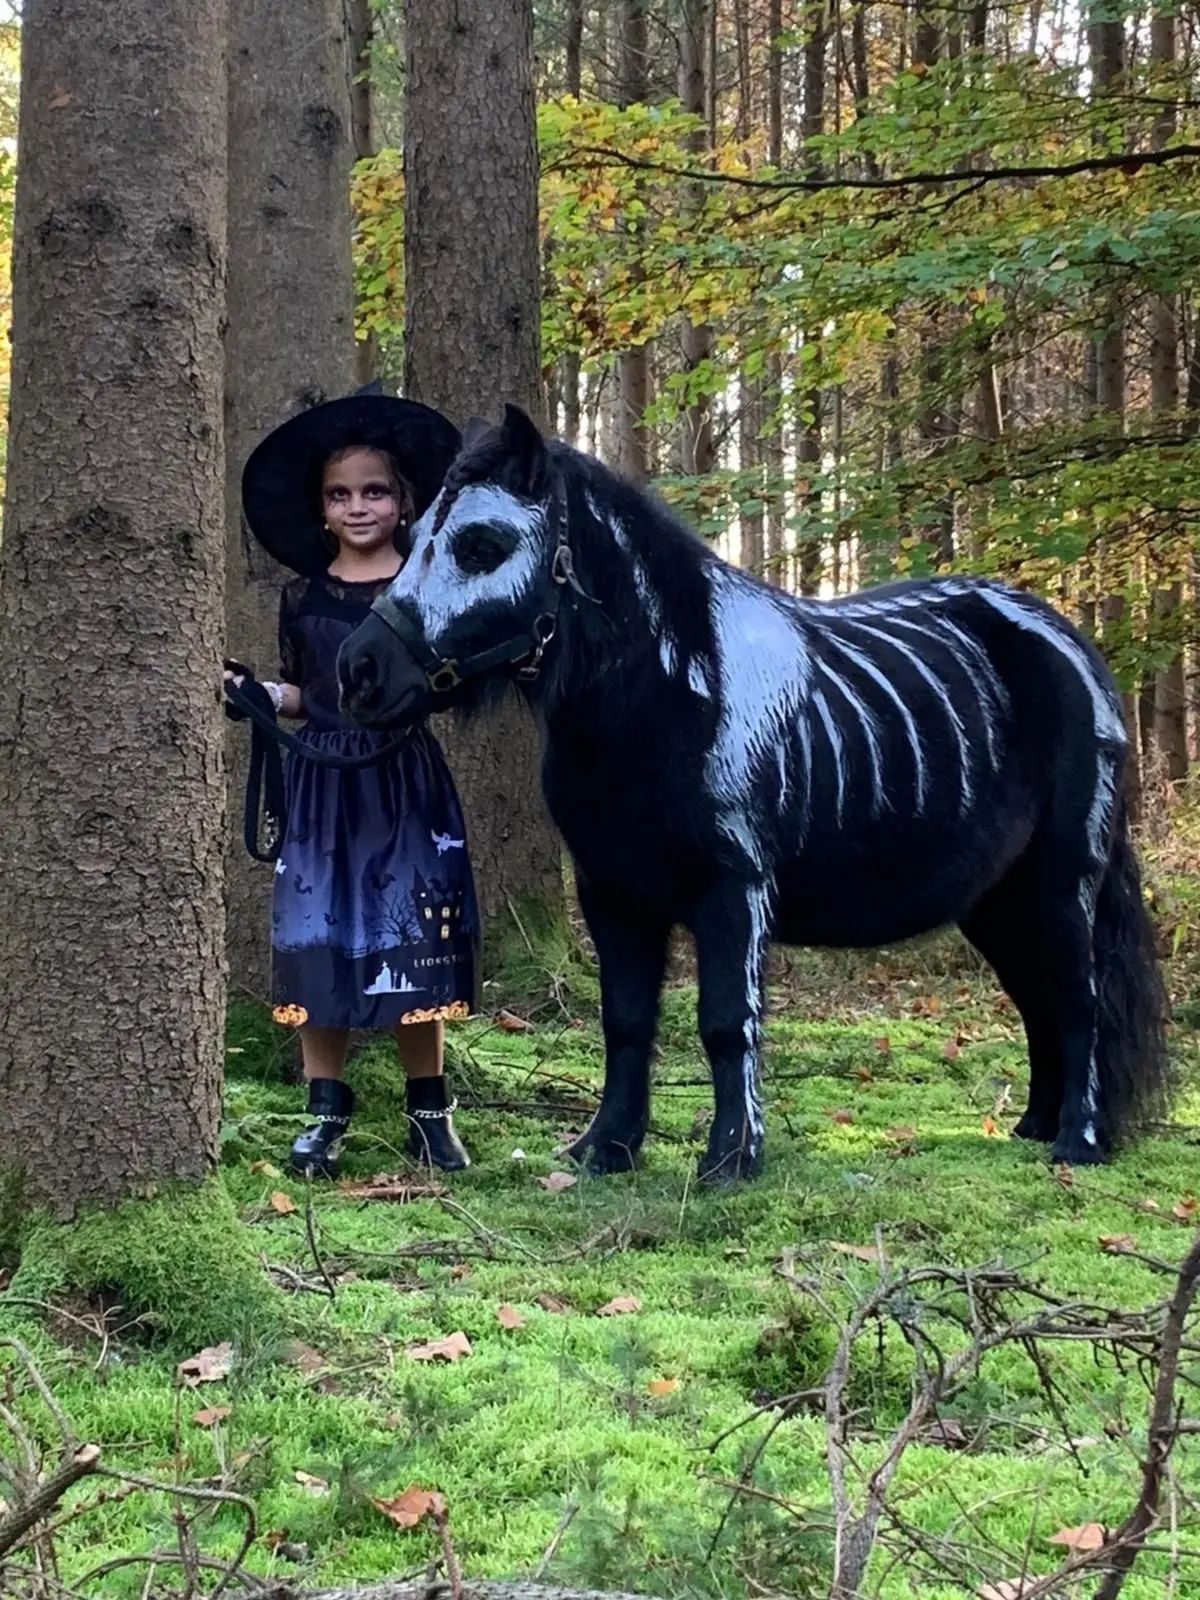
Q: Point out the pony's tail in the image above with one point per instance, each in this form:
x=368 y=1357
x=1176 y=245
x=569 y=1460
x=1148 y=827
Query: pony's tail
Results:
x=1131 y=1048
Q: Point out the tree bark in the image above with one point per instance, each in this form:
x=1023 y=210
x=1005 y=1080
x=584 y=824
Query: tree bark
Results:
x=698 y=446
x=290 y=338
x=111 y=774
x=574 y=87
x=633 y=365
x=809 y=442
x=471 y=344
x=1106 y=47
x=773 y=440
x=360 y=35
x=1169 y=708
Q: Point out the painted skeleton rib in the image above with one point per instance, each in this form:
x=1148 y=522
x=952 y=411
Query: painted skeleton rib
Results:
x=972 y=661
x=966 y=794
x=866 y=720
x=821 y=707
x=865 y=665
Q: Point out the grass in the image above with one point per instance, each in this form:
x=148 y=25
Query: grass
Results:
x=891 y=1083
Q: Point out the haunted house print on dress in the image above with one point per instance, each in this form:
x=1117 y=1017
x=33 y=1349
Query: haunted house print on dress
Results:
x=374 y=920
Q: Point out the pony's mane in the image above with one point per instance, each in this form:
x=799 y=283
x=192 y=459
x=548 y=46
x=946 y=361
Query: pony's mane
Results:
x=480 y=462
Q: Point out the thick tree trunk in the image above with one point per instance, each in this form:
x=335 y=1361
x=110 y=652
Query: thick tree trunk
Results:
x=633 y=365
x=809 y=447
x=111 y=775
x=290 y=338
x=569 y=379
x=471 y=344
x=1170 y=690
x=360 y=25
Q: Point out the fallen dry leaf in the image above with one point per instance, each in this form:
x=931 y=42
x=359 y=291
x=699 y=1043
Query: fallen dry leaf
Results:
x=306 y=1358
x=952 y=1050
x=1089 y=1537
x=551 y=1303
x=509 y=1022
x=991 y=1127
x=448 y=1349
x=861 y=1252
x=392 y=1186
x=1149 y=1205
x=903 y=1135
x=1064 y=1175
x=211 y=1415
x=1186 y=1208
x=207 y=1366
x=662 y=1386
x=413 y=1506
x=556 y=1182
x=1006 y=1589
x=274 y=1538
x=509 y=1317
x=460 y=1270
x=314 y=1485
x=264 y=1169
x=843 y=1116
x=884 y=1045
x=1117 y=1244
x=283 y=1203
x=864 y=1075
x=622 y=1306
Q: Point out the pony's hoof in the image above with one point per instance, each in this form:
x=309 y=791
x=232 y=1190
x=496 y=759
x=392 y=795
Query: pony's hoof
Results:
x=1073 y=1150
x=728 y=1165
x=602 y=1156
x=1039 y=1130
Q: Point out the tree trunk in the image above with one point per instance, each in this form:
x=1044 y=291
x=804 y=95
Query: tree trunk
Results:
x=773 y=441
x=569 y=378
x=360 y=35
x=698 y=453
x=111 y=774
x=471 y=344
x=753 y=551
x=809 y=443
x=1106 y=46
x=1170 y=690
x=290 y=338
x=633 y=366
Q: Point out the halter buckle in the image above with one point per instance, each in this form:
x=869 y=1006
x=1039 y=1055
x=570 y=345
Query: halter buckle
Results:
x=543 y=632
x=444 y=677
x=562 y=568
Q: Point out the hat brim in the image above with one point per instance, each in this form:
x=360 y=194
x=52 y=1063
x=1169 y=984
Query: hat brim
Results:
x=281 y=480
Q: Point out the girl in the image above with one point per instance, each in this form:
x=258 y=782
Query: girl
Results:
x=375 y=922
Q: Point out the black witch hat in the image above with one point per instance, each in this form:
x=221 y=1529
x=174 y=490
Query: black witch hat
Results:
x=281 y=486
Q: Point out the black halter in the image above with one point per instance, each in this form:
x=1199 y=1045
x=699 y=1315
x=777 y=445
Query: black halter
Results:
x=446 y=673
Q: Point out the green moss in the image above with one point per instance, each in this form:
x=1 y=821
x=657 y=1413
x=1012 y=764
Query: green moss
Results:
x=183 y=1262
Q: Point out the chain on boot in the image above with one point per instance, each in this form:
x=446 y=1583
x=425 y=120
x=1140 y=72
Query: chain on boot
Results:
x=319 y=1149
x=432 y=1140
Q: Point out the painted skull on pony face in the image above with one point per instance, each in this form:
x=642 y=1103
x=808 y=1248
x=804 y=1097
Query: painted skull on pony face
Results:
x=479 y=575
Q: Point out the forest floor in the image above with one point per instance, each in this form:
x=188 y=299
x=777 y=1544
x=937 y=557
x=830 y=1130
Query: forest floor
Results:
x=611 y=1332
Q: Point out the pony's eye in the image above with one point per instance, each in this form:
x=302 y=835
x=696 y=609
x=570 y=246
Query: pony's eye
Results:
x=482 y=548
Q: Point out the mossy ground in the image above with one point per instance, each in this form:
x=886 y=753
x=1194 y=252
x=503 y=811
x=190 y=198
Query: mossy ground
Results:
x=569 y=1409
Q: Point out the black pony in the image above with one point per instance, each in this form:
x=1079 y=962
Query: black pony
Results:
x=763 y=768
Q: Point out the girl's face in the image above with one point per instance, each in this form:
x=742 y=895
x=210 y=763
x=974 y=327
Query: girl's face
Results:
x=361 y=500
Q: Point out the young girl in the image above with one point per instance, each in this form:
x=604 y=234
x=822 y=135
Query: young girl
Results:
x=375 y=922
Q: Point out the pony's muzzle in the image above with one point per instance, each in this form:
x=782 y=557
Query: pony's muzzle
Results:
x=380 y=685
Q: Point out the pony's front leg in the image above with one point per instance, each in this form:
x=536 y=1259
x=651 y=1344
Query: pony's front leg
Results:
x=632 y=952
x=731 y=926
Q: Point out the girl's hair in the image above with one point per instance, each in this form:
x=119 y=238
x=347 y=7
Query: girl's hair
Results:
x=402 y=537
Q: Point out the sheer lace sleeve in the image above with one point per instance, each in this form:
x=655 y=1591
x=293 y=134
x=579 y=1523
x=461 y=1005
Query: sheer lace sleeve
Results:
x=291 y=644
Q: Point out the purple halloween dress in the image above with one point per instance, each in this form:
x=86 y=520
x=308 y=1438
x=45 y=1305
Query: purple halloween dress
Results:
x=375 y=920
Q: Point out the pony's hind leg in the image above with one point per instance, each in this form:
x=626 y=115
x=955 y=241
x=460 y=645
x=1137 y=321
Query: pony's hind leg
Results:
x=1004 y=926
x=632 y=953
x=731 y=926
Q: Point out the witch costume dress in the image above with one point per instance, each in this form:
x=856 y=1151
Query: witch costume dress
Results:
x=375 y=921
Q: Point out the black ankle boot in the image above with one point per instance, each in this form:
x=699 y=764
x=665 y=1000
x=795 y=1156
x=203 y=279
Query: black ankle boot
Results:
x=432 y=1140
x=319 y=1149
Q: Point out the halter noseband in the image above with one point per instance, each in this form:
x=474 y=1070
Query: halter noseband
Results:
x=446 y=673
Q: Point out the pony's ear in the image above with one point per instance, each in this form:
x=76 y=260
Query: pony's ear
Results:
x=474 y=431
x=526 y=450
